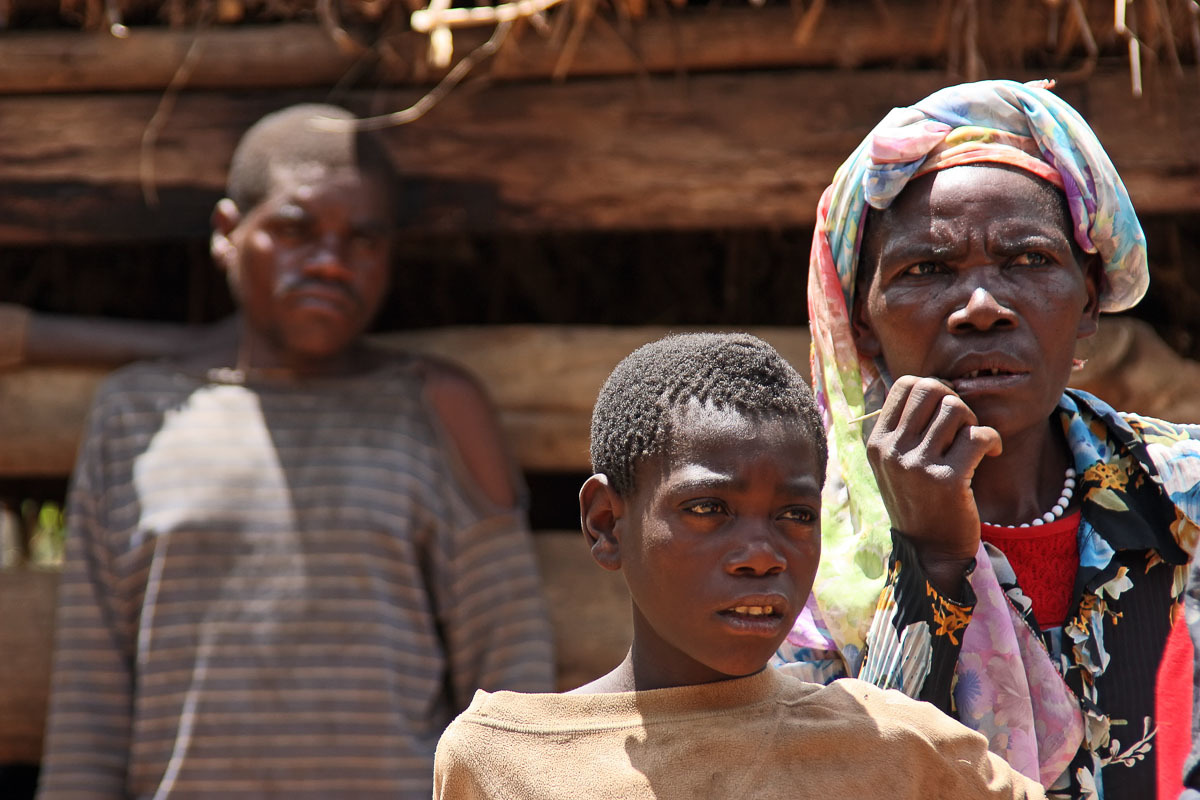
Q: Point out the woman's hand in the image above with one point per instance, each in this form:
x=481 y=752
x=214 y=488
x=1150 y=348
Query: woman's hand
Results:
x=924 y=450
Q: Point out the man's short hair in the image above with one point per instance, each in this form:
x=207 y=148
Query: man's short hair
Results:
x=294 y=137
x=639 y=402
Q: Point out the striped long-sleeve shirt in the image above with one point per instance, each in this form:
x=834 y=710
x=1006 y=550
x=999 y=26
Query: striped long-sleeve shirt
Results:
x=278 y=591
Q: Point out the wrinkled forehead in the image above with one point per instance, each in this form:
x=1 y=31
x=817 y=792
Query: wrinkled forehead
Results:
x=1025 y=192
x=915 y=208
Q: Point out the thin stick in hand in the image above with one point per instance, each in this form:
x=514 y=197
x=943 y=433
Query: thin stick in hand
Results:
x=867 y=416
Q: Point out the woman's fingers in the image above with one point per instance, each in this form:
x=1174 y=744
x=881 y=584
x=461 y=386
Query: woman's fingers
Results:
x=951 y=418
x=972 y=444
x=896 y=402
x=924 y=451
x=923 y=414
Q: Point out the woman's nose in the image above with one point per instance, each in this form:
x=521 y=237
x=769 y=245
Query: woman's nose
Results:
x=983 y=310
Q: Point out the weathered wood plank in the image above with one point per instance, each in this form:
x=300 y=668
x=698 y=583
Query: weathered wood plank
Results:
x=27 y=600
x=293 y=55
x=1133 y=369
x=244 y=56
x=715 y=151
x=44 y=412
x=543 y=379
x=589 y=608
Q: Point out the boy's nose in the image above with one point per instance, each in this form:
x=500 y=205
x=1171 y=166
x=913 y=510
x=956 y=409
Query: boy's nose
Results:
x=756 y=553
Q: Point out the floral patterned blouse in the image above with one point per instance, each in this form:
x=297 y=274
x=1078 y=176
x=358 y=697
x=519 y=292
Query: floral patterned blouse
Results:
x=1073 y=705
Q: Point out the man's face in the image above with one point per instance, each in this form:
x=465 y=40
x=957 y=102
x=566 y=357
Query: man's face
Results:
x=719 y=544
x=309 y=266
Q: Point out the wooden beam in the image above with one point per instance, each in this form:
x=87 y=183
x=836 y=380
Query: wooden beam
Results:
x=50 y=406
x=295 y=55
x=26 y=639
x=543 y=379
x=589 y=608
x=715 y=151
x=256 y=57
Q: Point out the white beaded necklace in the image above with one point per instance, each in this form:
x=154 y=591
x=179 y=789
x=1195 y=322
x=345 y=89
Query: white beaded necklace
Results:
x=1059 y=509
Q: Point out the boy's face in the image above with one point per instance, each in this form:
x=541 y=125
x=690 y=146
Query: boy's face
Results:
x=719 y=543
x=309 y=264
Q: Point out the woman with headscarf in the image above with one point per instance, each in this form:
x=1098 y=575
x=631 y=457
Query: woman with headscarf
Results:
x=994 y=543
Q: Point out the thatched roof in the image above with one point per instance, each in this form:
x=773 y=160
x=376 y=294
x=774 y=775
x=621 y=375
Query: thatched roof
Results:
x=968 y=38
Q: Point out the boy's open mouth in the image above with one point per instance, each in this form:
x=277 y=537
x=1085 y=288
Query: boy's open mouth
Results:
x=752 y=611
x=755 y=619
x=759 y=614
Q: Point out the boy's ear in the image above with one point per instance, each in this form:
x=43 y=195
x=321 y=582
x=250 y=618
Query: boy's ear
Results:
x=600 y=510
x=225 y=219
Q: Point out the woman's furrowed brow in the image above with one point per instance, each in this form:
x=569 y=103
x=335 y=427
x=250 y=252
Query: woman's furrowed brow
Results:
x=1028 y=239
x=916 y=248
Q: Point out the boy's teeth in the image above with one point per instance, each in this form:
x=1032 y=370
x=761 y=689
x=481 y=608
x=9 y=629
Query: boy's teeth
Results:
x=975 y=373
x=754 y=611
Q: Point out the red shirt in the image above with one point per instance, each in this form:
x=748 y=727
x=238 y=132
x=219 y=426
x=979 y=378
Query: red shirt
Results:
x=1045 y=559
x=1173 y=709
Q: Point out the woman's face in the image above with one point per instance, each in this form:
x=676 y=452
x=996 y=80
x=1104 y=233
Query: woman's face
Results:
x=975 y=279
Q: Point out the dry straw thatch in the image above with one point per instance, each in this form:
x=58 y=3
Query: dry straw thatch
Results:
x=977 y=36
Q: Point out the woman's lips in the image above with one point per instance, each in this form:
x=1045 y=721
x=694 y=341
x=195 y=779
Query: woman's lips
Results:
x=987 y=380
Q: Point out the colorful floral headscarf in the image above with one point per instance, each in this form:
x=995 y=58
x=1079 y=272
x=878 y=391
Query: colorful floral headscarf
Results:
x=1021 y=125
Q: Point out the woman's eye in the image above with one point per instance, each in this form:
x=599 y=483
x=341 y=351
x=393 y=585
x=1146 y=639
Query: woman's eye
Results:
x=923 y=268
x=1030 y=260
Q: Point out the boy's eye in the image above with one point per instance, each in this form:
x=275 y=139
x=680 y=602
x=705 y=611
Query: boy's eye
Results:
x=799 y=514
x=704 y=507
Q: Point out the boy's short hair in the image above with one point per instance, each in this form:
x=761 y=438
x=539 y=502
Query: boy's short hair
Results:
x=635 y=409
x=289 y=138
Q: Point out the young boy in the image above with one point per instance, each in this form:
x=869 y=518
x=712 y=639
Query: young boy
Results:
x=291 y=559
x=709 y=458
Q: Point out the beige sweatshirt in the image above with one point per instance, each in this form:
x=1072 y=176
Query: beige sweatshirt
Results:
x=765 y=736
